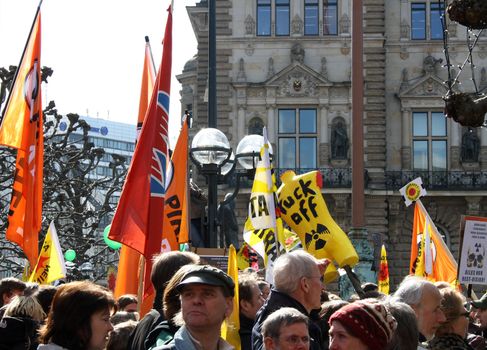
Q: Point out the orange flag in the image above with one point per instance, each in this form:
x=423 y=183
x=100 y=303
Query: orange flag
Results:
x=21 y=127
x=128 y=267
x=444 y=266
x=176 y=225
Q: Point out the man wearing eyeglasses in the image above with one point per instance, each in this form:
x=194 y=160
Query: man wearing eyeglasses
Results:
x=298 y=282
x=286 y=329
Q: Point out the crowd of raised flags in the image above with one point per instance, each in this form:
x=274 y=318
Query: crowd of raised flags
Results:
x=152 y=215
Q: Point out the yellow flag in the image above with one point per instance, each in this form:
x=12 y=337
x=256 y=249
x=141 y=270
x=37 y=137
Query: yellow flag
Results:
x=231 y=325
x=383 y=272
x=263 y=230
x=50 y=265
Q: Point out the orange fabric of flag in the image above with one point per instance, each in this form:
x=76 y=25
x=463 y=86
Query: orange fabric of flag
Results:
x=176 y=225
x=22 y=128
x=139 y=215
x=147 y=85
x=444 y=265
x=127 y=281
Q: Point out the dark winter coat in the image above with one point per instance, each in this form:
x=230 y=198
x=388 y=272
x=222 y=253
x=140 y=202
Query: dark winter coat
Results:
x=449 y=342
x=276 y=301
x=18 y=333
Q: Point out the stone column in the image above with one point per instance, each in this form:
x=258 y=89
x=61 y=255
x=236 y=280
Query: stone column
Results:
x=324 y=137
x=473 y=205
x=271 y=124
x=483 y=148
x=242 y=130
x=406 y=139
x=456 y=140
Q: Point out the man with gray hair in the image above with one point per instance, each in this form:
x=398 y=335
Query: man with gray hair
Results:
x=425 y=299
x=298 y=282
x=286 y=329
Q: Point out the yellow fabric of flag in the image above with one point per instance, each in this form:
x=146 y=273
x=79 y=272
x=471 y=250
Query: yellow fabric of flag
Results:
x=231 y=325
x=443 y=265
x=383 y=280
x=50 y=264
x=263 y=230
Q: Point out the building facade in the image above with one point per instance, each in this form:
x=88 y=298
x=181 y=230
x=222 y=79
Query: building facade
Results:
x=287 y=65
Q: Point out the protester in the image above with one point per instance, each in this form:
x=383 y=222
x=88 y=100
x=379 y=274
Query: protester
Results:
x=44 y=296
x=79 y=318
x=328 y=308
x=206 y=300
x=123 y=316
x=120 y=335
x=406 y=335
x=164 y=267
x=20 y=324
x=298 y=281
x=286 y=329
x=425 y=299
x=265 y=288
x=127 y=302
x=9 y=288
x=362 y=325
x=250 y=301
x=478 y=327
x=451 y=333
x=164 y=332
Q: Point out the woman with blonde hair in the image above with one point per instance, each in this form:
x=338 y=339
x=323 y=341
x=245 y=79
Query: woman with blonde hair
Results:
x=451 y=333
x=20 y=324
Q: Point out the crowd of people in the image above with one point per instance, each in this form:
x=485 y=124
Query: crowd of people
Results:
x=193 y=300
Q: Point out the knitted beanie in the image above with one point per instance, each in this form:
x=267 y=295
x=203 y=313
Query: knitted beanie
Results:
x=367 y=320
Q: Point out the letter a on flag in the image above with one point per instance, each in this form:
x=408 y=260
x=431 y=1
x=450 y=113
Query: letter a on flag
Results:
x=138 y=219
x=21 y=127
x=50 y=265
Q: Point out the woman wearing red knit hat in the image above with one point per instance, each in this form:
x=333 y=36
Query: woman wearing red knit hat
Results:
x=362 y=325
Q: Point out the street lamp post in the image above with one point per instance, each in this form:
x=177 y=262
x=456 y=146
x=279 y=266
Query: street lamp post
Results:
x=211 y=153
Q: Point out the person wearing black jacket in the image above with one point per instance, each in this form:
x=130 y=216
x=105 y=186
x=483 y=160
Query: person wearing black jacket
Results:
x=298 y=282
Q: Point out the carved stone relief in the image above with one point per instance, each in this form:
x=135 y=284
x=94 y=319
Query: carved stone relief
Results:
x=270 y=68
x=324 y=69
x=297 y=25
x=403 y=53
x=249 y=25
x=297 y=84
x=344 y=24
x=241 y=76
x=345 y=49
x=249 y=49
x=256 y=92
x=297 y=53
x=405 y=29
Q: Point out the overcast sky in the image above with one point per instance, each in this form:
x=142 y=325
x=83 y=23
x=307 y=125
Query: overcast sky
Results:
x=96 y=49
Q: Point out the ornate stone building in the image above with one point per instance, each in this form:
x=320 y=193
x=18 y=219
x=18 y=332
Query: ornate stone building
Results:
x=286 y=64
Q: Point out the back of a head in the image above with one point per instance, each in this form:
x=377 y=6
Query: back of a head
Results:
x=119 y=337
x=44 y=296
x=411 y=290
x=407 y=333
x=283 y=317
x=123 y=316
x=172 y=303
x=9 y=285
x=451 y=302
x=25 y=307
x=68 y=323
x=290 y=268
x=246 y=283
x=165 y=266
x=124 y=300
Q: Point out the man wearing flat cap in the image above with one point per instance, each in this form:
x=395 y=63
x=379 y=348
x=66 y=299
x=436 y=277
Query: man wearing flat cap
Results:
x=206 y=295
x=479 y=314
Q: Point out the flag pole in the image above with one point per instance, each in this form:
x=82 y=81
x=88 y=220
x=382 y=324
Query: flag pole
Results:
x=21 y=59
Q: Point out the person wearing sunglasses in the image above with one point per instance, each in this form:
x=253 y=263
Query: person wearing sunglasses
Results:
x=452 y=333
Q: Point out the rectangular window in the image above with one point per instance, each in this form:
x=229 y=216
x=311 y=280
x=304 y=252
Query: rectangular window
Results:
x=298 y=139
x=430 y=141
x=436 y=28
x=418 y=21
x=263 y=17
x=330 y=17
x=311 y=17
x=282 y=17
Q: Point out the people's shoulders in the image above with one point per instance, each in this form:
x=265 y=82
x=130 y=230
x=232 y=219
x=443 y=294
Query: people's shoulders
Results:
x=50 y=346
